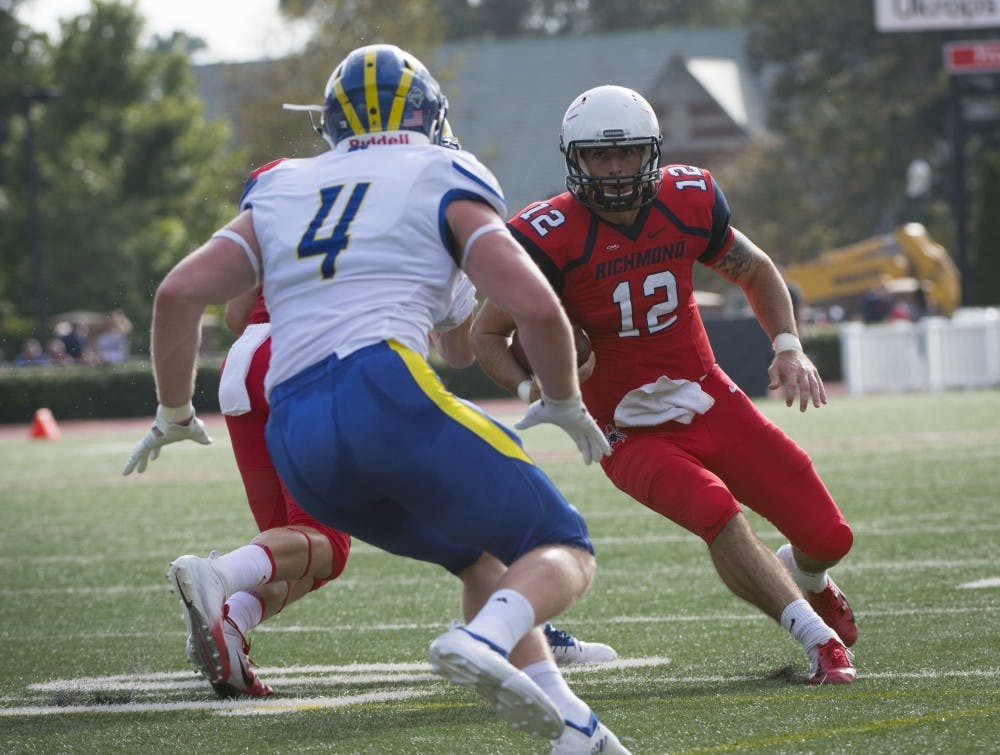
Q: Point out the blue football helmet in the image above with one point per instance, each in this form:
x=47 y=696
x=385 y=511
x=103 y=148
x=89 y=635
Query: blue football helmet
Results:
x=382 y=88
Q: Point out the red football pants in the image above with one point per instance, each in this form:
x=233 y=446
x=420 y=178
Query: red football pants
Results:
x=270 y=502
x=697 y=475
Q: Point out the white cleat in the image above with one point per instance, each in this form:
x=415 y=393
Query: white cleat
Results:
x=568 y=650
x=462 y=659
x=203 y=593
x=594 y=739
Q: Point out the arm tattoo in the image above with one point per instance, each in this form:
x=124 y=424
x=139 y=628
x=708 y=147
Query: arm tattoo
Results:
x=741 y=259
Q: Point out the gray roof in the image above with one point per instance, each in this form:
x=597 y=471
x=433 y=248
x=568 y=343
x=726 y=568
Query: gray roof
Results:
x=507 y=97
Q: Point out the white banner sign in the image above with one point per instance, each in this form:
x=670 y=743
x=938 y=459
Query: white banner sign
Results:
x=927 y=15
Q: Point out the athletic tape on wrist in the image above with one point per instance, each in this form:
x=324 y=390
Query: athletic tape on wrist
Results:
x=175 y=414
x=524 y=391
x=573 y=401
x=785 y=342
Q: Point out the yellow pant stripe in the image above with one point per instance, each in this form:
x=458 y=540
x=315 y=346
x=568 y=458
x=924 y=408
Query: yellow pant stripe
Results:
x=454 y=408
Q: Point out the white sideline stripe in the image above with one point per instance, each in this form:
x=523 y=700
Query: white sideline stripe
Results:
x=880 y=566
x=354 y=673
x=864 y=613
x=871 y=529
x=242 y=707
x=275 y=705
x=677 y=618
x=981 y=583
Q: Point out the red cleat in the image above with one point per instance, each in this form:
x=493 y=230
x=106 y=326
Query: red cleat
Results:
x=833 y=608
x=832 y=663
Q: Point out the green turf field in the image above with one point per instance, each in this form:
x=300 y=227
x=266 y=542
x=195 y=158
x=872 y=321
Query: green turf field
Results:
x=92 y=641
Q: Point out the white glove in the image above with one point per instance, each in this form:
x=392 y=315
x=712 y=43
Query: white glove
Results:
x=573 y=417
x=160 y=434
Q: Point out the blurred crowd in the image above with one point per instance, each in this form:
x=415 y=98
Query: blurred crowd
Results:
x=76 y=342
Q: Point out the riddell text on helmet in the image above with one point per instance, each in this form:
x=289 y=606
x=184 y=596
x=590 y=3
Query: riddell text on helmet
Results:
x=363 y=143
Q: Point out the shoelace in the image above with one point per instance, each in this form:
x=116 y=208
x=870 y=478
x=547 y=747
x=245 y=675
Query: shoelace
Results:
x=835 y=654
x=559 y=637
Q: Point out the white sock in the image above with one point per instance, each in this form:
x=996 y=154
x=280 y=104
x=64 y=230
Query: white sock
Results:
x=246 y=567
x=806 y=580
x=805 y=625
x=547 y=676
x=245 y=609
x=504 y=620
x=810 y=581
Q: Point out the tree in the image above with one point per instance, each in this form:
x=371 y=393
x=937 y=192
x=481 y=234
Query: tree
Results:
x=851 y=108
x=21 y=77
x=510 y=18
x=131 y=175
x=257 y=91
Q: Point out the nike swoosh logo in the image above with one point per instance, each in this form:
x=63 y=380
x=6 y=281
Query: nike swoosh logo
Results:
x=180 y=591
x=652 y=234
x=247 y=678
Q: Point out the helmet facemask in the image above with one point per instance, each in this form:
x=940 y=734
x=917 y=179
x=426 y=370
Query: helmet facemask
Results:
x=613 y=193
x=609 y=117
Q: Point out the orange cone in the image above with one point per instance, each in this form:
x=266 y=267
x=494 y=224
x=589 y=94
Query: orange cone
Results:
x=44 y=426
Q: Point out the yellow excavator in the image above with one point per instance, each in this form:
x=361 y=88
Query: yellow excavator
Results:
x=908 y=263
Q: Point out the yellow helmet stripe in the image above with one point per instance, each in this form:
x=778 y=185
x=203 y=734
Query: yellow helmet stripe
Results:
x=345 y=104
x=371 y=91
x=399 y=100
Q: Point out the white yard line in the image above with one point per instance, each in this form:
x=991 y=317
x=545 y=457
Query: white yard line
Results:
x=85 y=689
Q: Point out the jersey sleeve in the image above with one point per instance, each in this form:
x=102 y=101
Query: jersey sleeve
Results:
x=721 y=238
x=466 y=178
x=551 y=271
x=251 y=183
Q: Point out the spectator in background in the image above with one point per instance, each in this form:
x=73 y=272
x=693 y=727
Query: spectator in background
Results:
x=877 y=304
x=32 y=355
x=75 y=337
x=113 y=342
x=55 y=349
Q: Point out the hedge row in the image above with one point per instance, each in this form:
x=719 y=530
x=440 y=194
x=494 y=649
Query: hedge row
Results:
x=128 y=390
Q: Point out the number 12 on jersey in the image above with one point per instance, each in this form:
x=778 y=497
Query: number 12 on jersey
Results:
x=622 y=296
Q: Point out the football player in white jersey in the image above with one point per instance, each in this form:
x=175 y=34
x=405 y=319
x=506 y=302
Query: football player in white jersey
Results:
x=358 y=250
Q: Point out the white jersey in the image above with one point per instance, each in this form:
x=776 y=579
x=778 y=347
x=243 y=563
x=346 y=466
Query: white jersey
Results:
x=355 y=245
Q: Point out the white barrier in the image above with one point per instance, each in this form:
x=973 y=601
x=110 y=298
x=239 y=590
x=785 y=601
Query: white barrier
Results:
x=934 y=354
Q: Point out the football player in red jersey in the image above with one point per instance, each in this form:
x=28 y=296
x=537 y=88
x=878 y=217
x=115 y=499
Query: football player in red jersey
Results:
x=619 y=247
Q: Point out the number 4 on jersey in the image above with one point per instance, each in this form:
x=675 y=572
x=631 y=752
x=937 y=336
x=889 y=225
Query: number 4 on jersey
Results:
x=338 y=240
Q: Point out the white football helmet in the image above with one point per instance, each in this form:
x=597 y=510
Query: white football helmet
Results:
x=611 y=116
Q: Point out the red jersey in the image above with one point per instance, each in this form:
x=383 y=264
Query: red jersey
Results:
x=259 y=313
x=631 y=288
